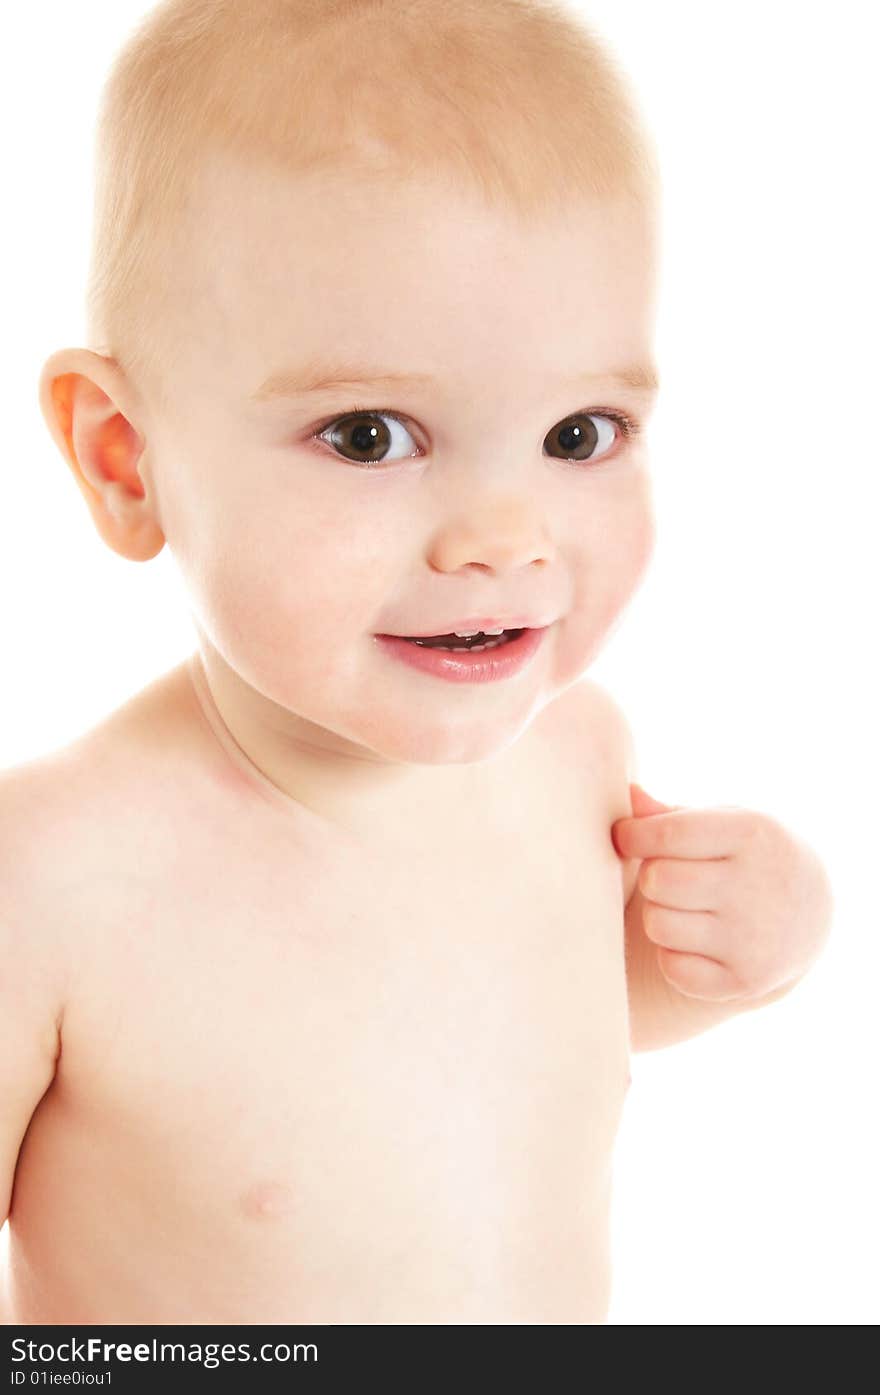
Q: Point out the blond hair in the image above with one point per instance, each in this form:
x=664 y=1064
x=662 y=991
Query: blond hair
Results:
x=516 y=98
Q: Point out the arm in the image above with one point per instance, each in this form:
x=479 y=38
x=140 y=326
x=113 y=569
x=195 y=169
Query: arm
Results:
x=29 y=1050
x=30 y=1004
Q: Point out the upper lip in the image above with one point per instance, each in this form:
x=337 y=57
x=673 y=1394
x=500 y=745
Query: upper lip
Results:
x=483 y=622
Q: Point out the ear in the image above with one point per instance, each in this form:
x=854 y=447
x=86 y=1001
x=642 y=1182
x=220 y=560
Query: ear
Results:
x=87 y=404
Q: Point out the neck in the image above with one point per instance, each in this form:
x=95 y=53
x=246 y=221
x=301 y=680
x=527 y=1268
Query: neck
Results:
x=306 y=769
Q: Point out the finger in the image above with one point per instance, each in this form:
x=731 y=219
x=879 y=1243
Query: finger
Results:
x=687 y=932
x=697 y=833
x=682 y=883
x=644 y=803
x=697 y=977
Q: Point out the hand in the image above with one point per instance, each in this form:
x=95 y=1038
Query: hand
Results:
x=736 y=905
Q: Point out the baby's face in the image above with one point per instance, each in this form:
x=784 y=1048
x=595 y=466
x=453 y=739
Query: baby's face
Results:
x=470 y=500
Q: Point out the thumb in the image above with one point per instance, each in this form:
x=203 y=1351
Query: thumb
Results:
x=644 y=803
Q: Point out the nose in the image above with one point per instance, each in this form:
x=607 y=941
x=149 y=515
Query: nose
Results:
x=500 y=536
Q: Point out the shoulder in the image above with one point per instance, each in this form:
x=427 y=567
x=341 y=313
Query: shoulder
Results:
x=36 y=876
x=73 y=820
x=590 y=721
x=588 y=724
x=43 y=820
x=59 y=823
x=37 y=822
x=586 y=748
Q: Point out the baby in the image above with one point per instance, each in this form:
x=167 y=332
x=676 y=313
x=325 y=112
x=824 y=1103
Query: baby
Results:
x=325 y=954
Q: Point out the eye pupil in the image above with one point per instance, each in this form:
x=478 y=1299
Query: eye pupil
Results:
x=364 y=437
x=368 y=437
x=578 y=437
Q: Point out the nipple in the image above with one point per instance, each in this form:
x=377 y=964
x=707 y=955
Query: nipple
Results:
x=266 y=1199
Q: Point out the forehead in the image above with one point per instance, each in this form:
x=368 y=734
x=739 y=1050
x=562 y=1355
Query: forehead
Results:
x=371 y=265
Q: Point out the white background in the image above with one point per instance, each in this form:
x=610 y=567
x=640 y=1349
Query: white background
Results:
x=747 y=1162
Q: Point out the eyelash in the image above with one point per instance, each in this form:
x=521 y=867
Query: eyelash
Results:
x=629 y=427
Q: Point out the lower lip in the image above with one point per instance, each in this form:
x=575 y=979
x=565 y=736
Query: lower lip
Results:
x=463 y=667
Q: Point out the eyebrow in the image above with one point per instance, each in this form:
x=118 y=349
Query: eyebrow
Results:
x=316 y=377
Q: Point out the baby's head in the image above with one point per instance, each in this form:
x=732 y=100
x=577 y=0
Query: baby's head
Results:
x=446 y=214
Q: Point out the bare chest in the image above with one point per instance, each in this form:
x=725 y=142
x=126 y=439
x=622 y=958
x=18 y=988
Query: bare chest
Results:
x=342 y=1001
x=338 y=1060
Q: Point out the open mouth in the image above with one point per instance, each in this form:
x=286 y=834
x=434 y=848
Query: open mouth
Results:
x=467 y=659
x=454 y=644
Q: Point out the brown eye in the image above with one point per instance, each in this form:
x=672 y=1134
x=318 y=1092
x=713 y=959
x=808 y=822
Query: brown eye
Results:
x=363 y=437
x=578 y=438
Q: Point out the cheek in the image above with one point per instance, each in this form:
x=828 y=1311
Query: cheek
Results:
x=618 y=534
x=614 y=551
x=637 y=546
x=273 y=586
x=628 y=555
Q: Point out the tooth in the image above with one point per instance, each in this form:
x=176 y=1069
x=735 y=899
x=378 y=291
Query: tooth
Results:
x=465 y=634
x=494 y=632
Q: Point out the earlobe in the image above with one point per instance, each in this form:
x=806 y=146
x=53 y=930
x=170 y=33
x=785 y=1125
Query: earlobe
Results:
x=82 y=396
